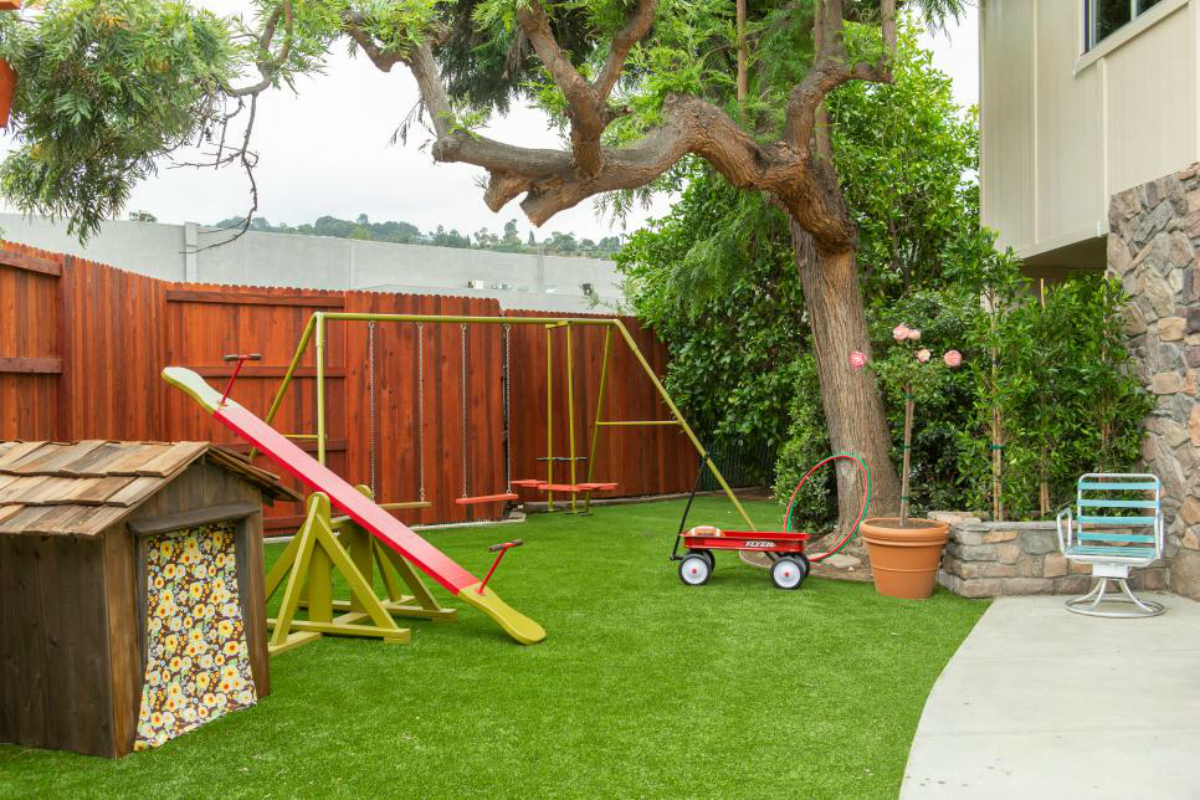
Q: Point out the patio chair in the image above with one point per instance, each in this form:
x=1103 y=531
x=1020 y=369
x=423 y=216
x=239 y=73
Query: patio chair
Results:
x=1115 y=527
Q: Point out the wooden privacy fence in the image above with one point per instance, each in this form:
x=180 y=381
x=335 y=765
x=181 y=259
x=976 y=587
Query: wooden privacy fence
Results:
x=82 y=345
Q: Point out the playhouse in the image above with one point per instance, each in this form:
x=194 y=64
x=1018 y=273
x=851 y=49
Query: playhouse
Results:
x=132 y=604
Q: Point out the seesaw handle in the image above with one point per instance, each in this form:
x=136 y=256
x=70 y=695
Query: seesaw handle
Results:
x=499 y=550
x=240 y=358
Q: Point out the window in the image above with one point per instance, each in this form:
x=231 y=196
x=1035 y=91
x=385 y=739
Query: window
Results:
x=1105 y=17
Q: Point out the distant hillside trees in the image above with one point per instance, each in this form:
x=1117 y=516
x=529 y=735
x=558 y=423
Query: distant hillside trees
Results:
x=510 y=241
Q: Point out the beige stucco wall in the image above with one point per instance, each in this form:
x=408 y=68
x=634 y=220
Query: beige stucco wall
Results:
x=1062 y=130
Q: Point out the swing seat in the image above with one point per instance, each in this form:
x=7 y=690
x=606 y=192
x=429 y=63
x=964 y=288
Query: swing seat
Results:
x=575 y=488
x=487 y=498
x=528 y=483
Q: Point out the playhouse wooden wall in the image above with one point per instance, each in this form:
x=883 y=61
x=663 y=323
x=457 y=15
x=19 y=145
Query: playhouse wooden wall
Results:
x=82 y=345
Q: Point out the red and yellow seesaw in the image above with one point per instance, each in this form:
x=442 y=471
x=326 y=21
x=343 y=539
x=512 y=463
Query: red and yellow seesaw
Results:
x=317 y=543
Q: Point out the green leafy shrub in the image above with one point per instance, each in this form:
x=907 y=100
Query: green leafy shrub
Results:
x=1053 y=380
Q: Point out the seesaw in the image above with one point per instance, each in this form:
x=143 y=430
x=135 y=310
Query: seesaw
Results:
x=395 y=536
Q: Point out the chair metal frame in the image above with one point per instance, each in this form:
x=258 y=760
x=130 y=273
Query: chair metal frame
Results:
x=1108 y=563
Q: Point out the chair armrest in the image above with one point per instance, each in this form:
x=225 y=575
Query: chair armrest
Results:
x=1066 y=512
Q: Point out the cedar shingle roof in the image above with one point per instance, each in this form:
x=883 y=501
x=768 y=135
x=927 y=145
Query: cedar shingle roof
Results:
x=80 y=488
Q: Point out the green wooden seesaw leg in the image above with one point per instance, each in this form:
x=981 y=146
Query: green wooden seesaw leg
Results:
x=322 y=545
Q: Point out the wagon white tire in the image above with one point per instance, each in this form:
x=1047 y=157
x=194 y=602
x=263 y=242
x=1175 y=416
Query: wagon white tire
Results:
x=705 y=554
x=695 y=570
x=788 y=573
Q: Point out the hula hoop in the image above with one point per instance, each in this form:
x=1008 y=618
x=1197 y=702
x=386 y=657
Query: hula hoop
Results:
x=862 y=511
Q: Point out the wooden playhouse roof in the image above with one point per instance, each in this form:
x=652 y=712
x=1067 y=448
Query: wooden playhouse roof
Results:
x=81 y=488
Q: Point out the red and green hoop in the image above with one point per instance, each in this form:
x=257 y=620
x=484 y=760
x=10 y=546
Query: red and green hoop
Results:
x=865 y=483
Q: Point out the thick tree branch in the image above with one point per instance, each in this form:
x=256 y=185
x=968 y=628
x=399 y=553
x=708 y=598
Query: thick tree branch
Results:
x=587 y=103
x=382 y=60
x=801 y=181
x=267 y=64
x=551 y=182
x=634 y=31
x=832 y=67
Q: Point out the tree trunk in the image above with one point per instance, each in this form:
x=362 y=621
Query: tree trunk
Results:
x=743 y=53
x=853 y=407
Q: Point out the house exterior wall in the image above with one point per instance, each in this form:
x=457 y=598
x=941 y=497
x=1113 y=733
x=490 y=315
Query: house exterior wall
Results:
x=1063 y=130
x=1154 y=249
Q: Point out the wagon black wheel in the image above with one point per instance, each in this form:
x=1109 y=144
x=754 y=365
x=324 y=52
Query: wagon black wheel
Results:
x=788 y=573
x=695 y=569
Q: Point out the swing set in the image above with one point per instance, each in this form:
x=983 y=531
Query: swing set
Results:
x=314 y=335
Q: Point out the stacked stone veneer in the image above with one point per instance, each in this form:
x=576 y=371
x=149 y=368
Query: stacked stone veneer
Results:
x=1154 y=249
x=992 y=559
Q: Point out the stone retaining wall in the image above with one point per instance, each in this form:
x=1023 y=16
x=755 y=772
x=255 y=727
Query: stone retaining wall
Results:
x=991 y=559
x=1153 y=249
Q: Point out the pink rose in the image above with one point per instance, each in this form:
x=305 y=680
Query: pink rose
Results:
x=900 y=332
x=914 y=334
x=858 y=359
x=923 y=355
x=953 y=358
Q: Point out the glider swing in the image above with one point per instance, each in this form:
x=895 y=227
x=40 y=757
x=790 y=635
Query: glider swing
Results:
x=573 y=486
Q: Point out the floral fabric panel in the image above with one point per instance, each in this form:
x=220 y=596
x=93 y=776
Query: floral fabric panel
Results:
x=198 y=663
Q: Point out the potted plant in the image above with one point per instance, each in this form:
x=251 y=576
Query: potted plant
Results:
x=905 y=552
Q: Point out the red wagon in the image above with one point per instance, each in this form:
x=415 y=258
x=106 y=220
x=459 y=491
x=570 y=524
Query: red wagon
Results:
x=785 y=549
x=789 y=563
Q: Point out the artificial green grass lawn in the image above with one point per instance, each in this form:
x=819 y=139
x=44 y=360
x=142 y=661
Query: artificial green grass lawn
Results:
x=644 y=687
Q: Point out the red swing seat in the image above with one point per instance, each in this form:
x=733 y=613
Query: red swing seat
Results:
x=569 y=488
x=487 y=498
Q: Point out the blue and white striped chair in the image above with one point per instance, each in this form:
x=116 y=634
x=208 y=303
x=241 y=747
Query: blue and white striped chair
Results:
x=1117 y=524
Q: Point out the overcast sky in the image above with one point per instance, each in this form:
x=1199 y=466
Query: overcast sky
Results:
x=324 y=150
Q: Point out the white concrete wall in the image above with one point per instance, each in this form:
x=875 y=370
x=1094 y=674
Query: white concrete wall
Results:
x=183 y=253
x=1063 y=130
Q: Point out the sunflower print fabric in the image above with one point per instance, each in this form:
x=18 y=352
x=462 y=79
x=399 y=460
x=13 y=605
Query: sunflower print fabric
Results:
x=197 y=664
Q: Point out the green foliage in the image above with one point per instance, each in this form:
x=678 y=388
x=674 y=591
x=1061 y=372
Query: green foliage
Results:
x=904 y=154
x=105 y=88
x=733 y=356
x=716 y=280
x=716 y=277
x=1055 y=375
x=397 y=25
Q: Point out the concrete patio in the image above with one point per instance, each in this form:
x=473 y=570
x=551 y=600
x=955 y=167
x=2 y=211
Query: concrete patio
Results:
x=1039 y=702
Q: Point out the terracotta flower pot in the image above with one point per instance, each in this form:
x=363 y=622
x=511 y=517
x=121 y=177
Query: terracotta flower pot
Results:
x=905 y=560
x=8 y=87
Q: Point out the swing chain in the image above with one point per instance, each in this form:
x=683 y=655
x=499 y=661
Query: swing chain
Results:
x=371 y=401
x=507 y=415
x=421 y=408
x=463 y=404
